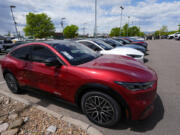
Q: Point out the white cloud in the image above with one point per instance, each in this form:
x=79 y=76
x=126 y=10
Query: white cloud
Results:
x=150 y=15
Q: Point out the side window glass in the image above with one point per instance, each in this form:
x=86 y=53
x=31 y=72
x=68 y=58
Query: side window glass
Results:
x=22 y=53
x=92 y=46
x=41 y=53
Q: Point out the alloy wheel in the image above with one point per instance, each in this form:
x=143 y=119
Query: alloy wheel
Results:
x=99 y=109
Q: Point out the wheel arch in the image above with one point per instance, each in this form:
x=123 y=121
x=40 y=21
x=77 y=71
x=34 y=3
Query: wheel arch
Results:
x=6 y=71
x=105 y=89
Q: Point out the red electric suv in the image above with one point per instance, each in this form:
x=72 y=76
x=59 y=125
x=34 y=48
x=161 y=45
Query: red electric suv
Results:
x=105 y=87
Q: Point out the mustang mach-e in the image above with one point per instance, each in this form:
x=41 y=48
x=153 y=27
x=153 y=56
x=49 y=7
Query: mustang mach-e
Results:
x=105 y=87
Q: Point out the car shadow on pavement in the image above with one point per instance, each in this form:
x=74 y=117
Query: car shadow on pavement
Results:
x=147 y=124
x=146 y=60
x=46 y=99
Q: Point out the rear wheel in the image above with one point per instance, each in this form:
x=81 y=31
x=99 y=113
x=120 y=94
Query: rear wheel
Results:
x=101 y=108
x=12 y=83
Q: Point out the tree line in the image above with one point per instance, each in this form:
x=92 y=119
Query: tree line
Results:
x=163 y=31
x=126 y=31
x=41 y=26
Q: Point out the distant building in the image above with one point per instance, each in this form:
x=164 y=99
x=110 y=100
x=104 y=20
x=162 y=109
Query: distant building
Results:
x=58 y=35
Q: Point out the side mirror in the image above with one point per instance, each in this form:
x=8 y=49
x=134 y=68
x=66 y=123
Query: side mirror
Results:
x=52 y=62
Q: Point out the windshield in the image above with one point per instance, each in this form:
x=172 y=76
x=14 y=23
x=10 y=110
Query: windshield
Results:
x=116 y=42
x=127 y=41
x=104 y=45
x=113 y=43
x=123 y=40
x=76 y=53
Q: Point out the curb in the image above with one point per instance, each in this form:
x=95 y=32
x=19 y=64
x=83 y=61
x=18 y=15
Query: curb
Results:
x=84 y=126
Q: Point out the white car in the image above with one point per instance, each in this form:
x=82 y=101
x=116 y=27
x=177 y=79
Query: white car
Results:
x=138 y=38
x=177 y=36
x=104 y=48
x=171 y=36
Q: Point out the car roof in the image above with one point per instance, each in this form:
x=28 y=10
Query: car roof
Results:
x=49 y=42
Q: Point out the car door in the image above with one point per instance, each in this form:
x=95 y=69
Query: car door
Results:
x=47 y=78
x=20 y=64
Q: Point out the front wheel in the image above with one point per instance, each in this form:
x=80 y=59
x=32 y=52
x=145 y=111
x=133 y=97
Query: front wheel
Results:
x=101 y=108
x=12 y=83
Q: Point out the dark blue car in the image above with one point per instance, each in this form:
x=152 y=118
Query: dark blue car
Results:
x=115 y=43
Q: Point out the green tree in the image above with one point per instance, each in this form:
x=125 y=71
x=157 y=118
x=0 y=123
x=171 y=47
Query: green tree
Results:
x=38 y=26
x=70 y=31
x=157 y=33
x=163 y=30
x=125 y=30
x=179 y=27
x=134 y=31
x=115 y=32
x=9 y=33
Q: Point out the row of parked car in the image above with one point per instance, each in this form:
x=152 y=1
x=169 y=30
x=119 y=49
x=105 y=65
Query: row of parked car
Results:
x=103 y=76
x=174 y=36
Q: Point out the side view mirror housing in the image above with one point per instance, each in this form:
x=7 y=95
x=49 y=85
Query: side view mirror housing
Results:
x=52 y=62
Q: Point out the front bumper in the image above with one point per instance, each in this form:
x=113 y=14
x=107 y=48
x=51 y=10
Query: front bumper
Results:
x=139 y=104
x=143 y=107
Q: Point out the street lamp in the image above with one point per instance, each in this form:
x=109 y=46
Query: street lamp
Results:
x=95 y=26
x=84 y=29
x=62 y=23
x=128 y=24
x=121 y=7
x=15 y=24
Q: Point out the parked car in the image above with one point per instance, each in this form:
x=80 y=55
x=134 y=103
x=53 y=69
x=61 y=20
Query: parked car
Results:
x=125 y=42
x=164 y=36
x=177 y=36
x=171 y=36
x=104 y=48
x=1 y=45
x=106 y=87
x=134 y=41
x=138 y=38
x=7 y=44
x=115 y=43
x=15 y=45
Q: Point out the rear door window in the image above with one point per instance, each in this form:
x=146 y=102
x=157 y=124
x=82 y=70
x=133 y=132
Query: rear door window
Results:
x=22 y=53
x=41 y=53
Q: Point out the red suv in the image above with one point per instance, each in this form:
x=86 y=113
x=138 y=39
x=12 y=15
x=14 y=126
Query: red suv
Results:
x=106 y=87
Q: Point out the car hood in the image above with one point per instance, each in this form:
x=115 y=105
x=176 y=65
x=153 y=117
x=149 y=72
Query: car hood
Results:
x=122 y=51
x=125 y=66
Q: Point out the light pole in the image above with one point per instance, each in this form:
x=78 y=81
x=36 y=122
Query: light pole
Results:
x=121 y=7
x=62 y=23
x=95 y=26
x=128 y=24
x=15 y=24
x=84 y=29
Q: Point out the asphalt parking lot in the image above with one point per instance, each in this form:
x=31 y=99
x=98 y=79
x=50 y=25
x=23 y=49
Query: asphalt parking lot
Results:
x=164 y=58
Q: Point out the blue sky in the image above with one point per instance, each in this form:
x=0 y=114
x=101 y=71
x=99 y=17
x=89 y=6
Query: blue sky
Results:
x=149 y=15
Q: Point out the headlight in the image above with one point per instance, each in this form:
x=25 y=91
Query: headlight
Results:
x=134 y=56
x=136 y=86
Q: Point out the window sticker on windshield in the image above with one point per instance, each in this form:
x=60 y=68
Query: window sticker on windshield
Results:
x=67 y=55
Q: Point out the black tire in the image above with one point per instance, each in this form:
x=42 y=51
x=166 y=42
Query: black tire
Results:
x=12 y=83
x=93 y=105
